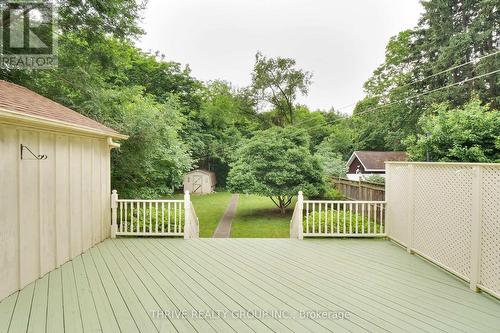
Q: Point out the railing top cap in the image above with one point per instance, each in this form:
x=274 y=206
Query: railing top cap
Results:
x=345 y=201
x=445 y=163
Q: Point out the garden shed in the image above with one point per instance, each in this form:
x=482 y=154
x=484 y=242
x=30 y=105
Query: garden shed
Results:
x=54 y=185
x=200 y=181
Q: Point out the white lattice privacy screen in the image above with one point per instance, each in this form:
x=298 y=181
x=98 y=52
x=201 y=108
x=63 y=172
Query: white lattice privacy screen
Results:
x=450 y=214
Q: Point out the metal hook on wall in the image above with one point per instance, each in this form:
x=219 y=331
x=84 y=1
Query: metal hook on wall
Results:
x=38 y=157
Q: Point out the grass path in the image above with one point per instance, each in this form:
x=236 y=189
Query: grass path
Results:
x=258 y=217
x=209 y=209
x=223 y=229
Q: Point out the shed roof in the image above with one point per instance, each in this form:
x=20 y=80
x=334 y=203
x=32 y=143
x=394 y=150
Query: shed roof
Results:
x=375 y=160
x=22 y=101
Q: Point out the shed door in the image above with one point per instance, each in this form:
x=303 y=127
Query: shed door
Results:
x=197 y=182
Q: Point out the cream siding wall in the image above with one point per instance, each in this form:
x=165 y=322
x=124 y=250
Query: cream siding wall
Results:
x=50 y=210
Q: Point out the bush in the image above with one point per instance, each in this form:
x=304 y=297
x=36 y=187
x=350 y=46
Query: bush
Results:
x=375 y=179
x=364 y=225
x=330 y=192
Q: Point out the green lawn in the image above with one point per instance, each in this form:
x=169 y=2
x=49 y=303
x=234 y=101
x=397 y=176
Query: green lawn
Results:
x=258 y=217
x=209 y=209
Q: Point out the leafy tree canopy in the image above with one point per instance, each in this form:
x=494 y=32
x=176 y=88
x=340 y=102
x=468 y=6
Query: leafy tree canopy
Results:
x=467 y=134
x=277 y=81
x=276 y=163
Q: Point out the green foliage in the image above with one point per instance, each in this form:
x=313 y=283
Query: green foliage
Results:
x=331 y=162
x=257 y=217
x=315 y=123
x=277 y=82
x=146 y=219
x=354 y=223
x=330 y=192
x=152 y=162
x=227 y=116
x=469 y=134
x=449 y=34
x=375 y=179
x=276 y=163
x=103 y=76
x=176 y=122
x=209 y=209
x=97 y=18
x=342 y=140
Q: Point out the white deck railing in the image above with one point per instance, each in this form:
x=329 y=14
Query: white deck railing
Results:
x=322 y=218
x=132 y=217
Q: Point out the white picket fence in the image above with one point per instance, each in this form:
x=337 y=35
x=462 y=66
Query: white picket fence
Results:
x=132 y=217
x=322 y=218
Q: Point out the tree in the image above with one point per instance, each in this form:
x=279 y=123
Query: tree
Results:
x=331 y=162
x=277 y=82
x=468 y=134
x=276 y=163
x=342 y=140
x=417 y=61
x=225 y=118
x=153 y=160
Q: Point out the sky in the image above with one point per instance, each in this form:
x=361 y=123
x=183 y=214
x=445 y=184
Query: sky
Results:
x=340 y=42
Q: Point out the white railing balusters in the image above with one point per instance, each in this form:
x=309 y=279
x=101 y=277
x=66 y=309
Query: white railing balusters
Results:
x=175 y=217
x=168 y=217
x=369 y=206
x=344 y=218
x=155 y=221
x=307 y=217
x=313 y=217
x=375 y=218
x=357 y=218
x=382 y=219
x=319 y=218
x=338 y=218
x=131 y=216
x=137 y=221
x=180 y=219
x=344 y=225
x=162 y=217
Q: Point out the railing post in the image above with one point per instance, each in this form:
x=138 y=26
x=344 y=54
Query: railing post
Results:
x=187 y=215
x=476 y=228
x=387 y=199
x=411 y=208
x=114 y=206
x=300 y=216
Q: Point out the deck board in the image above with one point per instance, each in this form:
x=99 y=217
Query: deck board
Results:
x=117 y=285
x=38 y=313
x=55 y=312
x=416 y=314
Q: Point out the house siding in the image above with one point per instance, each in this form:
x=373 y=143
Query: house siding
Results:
x=50 y=210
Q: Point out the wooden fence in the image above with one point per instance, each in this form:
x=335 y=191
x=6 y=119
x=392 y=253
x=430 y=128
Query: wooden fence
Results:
x=360 y=190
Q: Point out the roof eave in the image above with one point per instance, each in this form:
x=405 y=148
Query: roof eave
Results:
x=23 y=118
x=359 y=159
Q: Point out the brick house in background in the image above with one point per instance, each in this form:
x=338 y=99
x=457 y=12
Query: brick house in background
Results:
x=362 y=164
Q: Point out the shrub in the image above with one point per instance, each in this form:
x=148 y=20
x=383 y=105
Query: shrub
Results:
x=375 y=179
x=315 y=219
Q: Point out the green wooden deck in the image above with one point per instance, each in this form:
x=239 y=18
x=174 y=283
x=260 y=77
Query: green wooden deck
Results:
x=165 y=285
